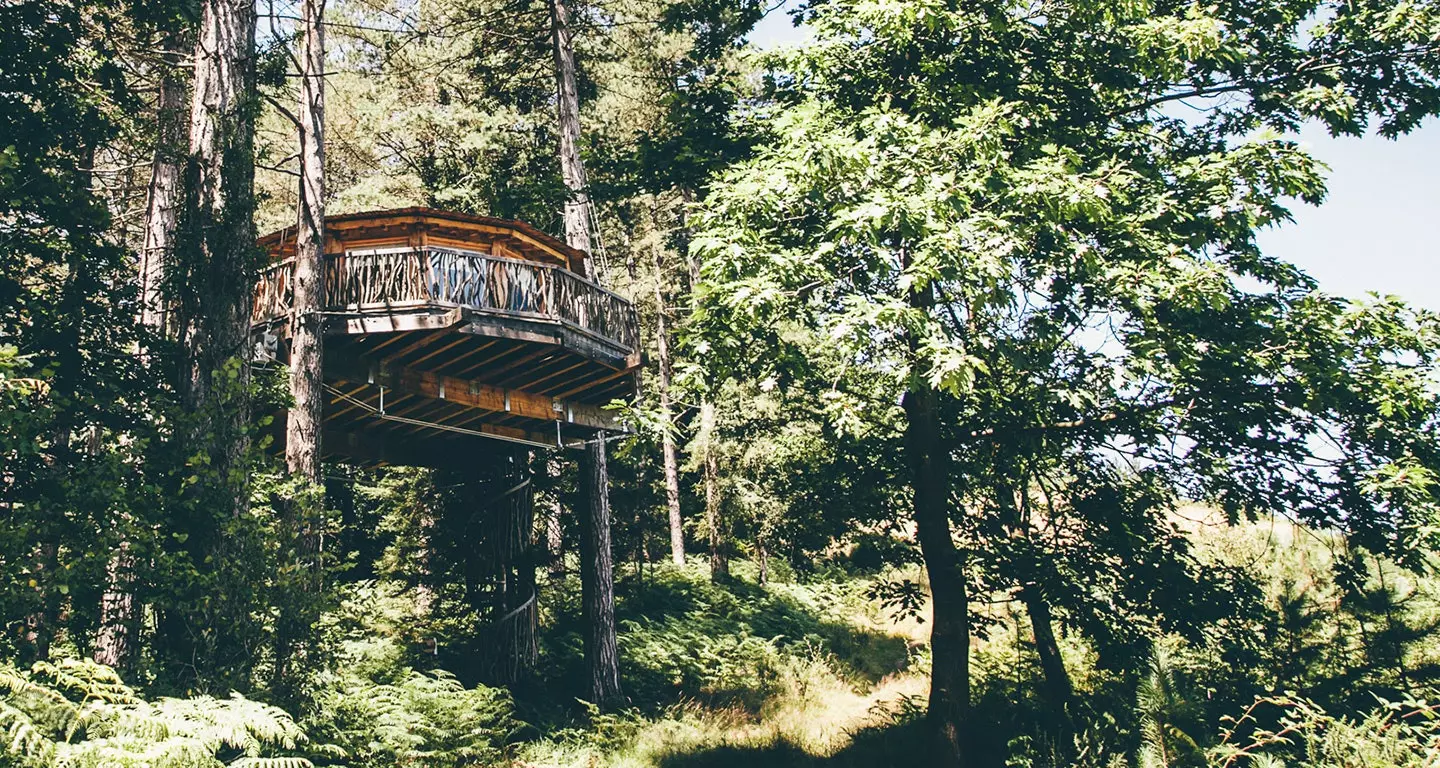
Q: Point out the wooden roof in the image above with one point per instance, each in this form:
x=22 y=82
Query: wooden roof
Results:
x=398 y=222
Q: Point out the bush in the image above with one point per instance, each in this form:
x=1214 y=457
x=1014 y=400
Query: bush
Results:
x=421 y=720
x=1393 y=735
x=79 y=713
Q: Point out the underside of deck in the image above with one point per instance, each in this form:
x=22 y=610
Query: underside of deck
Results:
x=442 y=330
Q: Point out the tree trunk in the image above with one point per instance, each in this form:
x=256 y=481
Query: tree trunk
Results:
x=115 y=641
x=669 y=452
x=597 y=571
x=218 y=233
x=162 y=201
x=950 y=623
x=214 y=632
x=302 y=428
x=567 y=107
x=597 y=577
x=1057 y=680
x=305 y=512
x=119 y=612
x=719 y=558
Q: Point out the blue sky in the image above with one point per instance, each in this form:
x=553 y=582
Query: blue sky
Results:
x=1376 y=231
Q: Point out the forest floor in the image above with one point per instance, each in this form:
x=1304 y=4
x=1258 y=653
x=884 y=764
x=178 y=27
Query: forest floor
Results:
x=842 y=695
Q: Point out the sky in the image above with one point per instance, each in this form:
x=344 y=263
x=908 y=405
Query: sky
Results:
x=1375 y=232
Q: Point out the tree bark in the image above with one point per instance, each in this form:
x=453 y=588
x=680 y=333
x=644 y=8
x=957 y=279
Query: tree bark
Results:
x=162 y=200
x=305 y=511
x=567 y=107
x=214 y=632
x=119 y=612
x=714 y=520
x=302 y=428
x=597 y=571
x=219 y=230
x=950 y=622
x=1057 y=680
x=669 y=452
x=115 y=641
x=597 y=577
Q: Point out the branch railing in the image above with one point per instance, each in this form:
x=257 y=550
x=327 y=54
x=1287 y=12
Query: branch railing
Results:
x=392 y=280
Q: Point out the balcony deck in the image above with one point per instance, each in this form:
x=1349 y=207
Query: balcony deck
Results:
x=429 y=347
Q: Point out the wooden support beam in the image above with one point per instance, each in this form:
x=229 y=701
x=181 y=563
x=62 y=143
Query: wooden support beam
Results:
x=387 y=320
x=535 y=383
x=593 y=382
x=438 y=350
x=422 y=341
x=468 y=354
x=434 y=386
x=490 y=360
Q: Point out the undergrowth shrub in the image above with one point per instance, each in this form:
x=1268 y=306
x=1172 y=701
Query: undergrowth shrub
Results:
x=1404 y=734
x=683 y=637
x=422 y=719
x=76 y=713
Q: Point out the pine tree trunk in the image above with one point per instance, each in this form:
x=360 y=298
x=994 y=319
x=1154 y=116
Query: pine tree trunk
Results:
x=302 y=428
x=115 y=641
x=597 y=571
x=304 y=513
x=597 y=577
x=714 y=520
x=669 y=453
x=577 y=225
x=162 y=201
x=218 y=232
x=213 y=636
x=950 y=623
x=119 y=612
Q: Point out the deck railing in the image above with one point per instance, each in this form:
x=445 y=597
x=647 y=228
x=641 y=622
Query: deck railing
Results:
x=390 y=280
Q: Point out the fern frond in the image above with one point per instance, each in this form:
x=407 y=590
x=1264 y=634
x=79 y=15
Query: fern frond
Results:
x=272 y=762
x=22 y=739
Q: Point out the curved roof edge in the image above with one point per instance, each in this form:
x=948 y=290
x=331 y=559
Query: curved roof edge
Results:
x=421 y=213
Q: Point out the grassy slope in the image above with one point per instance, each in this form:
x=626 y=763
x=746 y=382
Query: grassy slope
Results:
x=784 y=675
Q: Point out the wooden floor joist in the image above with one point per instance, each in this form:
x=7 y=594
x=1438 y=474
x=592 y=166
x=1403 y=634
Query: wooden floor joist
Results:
x=468 y=392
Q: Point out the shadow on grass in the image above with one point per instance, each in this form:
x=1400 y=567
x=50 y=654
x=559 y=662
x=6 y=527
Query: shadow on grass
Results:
x=684 y=638
x=895 y=746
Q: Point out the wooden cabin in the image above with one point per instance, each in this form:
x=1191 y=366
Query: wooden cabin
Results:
x=443 y=329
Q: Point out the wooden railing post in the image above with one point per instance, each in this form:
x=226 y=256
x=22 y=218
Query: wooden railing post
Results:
x=435 y=275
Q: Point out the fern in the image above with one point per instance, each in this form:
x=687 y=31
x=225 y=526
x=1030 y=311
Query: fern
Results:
x=78 y=714
x=423 y=719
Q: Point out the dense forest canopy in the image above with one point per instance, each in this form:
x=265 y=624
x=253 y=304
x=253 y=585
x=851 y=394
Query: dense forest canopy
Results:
x=976 y=428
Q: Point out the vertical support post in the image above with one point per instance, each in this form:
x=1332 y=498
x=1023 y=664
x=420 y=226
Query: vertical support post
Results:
x=597 y=576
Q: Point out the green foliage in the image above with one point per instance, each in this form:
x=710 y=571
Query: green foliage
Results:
x=1403 y=734
x=78 y=713
x=420 y=719
x=683 y=637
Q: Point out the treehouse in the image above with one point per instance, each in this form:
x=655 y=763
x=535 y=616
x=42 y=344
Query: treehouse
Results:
x=443 y=329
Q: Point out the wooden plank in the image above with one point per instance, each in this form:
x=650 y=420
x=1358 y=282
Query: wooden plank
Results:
x=423 y=340
x=534 y=384
x=474 y=394
x=513 y=364
x=395 y=322
x=592 y=383
x=491 y=360
x=468 y=353
x=459 y=339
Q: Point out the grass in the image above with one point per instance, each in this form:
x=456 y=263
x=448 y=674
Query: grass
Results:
x=818 y=676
